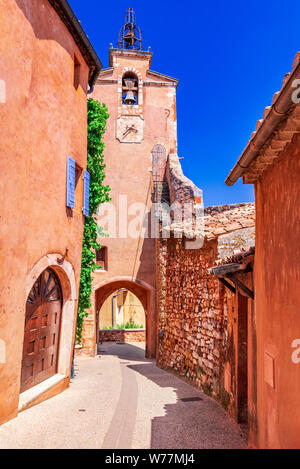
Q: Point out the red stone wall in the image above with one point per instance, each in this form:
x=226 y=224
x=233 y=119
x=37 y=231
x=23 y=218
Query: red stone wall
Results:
x=199 y=328
x=122 y=335
x=191 y=319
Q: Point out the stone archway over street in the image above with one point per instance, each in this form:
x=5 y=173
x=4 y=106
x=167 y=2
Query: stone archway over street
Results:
x=144 y=292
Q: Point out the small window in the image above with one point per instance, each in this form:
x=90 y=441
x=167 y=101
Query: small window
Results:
x=101 y=258
x=78 y=172
x=76 y=73
x=130 y=90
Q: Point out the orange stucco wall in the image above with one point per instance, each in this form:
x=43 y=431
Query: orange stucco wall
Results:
x=128 y=171
x=277 y=305
x=43 y=120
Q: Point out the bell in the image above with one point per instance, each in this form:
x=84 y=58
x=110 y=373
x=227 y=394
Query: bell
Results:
x=129 y=98
x=130 y=38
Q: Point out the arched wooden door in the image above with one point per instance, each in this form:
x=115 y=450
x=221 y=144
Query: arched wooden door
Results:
x=42 y=329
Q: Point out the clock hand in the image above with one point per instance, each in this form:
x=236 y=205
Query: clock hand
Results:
x=128 y=130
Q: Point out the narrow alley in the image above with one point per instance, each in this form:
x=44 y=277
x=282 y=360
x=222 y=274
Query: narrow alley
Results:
x=120 y=400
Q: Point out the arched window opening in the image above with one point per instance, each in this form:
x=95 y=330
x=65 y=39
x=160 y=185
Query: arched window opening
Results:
x=130 y=89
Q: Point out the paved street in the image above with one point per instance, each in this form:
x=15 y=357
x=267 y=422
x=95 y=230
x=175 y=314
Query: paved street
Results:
x=122 y=400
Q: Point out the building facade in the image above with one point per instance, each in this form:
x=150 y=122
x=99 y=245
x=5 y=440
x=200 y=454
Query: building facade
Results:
x=141 y=128
x=271 y=161
x=47 y=66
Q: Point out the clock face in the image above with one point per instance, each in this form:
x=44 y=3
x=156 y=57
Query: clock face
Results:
x=130 y=129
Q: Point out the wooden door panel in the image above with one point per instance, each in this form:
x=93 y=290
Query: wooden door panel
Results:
x=27 y=377
x=42 y=329
x=29 y=337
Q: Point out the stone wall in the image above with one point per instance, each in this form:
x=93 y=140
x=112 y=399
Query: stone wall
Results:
x=89 y=347
x=198 y=320
x=191 y=320
x=122 y=335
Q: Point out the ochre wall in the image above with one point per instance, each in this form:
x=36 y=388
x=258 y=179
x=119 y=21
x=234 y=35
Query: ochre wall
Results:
x=277 y=287
x=43 y=121
x=131 y=306
x=133 y=310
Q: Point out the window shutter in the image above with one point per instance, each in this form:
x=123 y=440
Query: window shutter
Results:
x=70 y=182
x=86 y=193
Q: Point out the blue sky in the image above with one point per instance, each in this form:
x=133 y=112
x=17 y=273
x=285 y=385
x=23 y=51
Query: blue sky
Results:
x=230 y=58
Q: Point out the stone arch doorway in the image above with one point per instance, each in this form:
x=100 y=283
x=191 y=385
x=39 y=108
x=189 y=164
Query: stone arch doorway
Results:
x=64 y=272
x=42 y=330
x=145 y=294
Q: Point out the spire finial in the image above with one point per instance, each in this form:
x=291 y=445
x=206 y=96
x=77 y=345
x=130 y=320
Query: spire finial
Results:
x=130 y=36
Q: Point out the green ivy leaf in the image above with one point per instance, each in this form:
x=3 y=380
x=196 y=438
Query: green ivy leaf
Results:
x=99 y=193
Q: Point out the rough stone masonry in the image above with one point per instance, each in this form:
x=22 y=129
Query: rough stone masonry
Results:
x=195 y=310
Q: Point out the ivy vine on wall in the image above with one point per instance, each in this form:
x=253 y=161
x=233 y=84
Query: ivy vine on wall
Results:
x=99 y=193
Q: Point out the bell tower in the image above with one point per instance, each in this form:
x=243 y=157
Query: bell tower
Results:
x=142 y=109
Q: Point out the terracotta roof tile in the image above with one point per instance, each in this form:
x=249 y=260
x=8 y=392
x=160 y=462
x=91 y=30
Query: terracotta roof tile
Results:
x=224 y=219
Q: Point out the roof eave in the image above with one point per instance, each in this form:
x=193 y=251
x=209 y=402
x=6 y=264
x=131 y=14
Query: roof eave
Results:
x=161 y=75
x=224 y=270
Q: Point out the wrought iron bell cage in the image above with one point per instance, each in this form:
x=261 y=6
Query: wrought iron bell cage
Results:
x=130 y=35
